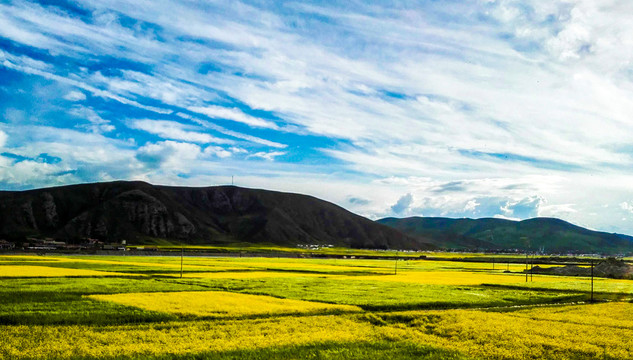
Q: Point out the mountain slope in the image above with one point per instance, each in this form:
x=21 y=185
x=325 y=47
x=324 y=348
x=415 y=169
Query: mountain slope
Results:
x=137 y=211
x=551 y=235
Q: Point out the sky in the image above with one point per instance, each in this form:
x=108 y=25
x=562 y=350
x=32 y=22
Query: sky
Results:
x=509 y=109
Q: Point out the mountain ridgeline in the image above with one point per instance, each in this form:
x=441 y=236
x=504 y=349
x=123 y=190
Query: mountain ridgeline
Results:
x=143 y=213
x=545 y=234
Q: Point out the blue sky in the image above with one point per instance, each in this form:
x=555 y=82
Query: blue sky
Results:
x=510 y=109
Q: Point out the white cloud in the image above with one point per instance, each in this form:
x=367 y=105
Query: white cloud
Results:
x=500 y=216
x=471 y=205
x=71 y=145
x=79 y=157
x=97 y=123
x=270 y=156
x=23 y=66
x=403 y=204
x=233 y=114
x=27 y=171
x=170 y=156
x=175 y=131
x=3 y=138
x=235 y=134
x=75 y=96
x=627 y=206
x=217 y=151
x=238 y=150
x=523 y=208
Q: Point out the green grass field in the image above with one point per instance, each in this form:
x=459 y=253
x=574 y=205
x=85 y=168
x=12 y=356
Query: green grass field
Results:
x=51 y=307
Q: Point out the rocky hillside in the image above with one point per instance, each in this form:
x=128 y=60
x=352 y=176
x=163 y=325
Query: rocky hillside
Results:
x=141 y=212
x=544 y=234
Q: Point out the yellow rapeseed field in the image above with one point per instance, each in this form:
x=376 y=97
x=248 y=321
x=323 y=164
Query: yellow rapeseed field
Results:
x=170 y=263
x=615 y=314
x=47 y=271
x=248 y=275
x=255 y=264
x=24 y=258
x=568 y=332
x=455 y=278
x=564 y=332
x=224 y=321
x=189 y=337
x=220 y=303
x=221 y=264
x=306 y=265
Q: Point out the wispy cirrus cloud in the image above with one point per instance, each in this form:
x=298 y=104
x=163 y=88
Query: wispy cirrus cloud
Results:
x=270 y=156
x=233 y=114
x=175 y=131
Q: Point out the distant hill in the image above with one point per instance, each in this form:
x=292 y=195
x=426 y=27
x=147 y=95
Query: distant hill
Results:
x=140 y=212
x=551 y=235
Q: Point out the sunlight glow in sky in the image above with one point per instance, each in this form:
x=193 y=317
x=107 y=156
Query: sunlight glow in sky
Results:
x=486 y=108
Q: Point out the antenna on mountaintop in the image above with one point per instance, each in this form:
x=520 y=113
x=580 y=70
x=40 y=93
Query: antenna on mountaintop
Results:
x=231 y=180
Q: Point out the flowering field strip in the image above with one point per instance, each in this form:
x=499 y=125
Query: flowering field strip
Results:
x=248 y=275
x=545 y=282
x=438 y=265
x=578 y=283
x=570 y=332
x=60 y=300
x=454 y=278
x=177 y=338
x=310 y=265
x=378 y=349
x=377 y=295
x=614 y=314
x=194 y=264
x=522 y=334
x=47 y=271
x=157 y=264
x=357 y=265
x=153 y=264
x=4 y=259
x=220 y=304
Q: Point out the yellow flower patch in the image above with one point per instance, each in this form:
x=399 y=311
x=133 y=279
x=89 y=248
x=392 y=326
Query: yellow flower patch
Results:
x=170 y=263
x=559 y=332
x=175 y=338
x=456 y=278
x=219 y=303
x=47 y=271
x=308 y=265
x=248 y=275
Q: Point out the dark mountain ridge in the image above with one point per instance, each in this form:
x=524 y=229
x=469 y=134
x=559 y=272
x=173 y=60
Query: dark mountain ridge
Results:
x=550 y=235
x=138 y=212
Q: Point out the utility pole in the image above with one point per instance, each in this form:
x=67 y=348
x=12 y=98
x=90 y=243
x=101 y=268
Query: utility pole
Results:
x=395 y=271
x=592 y=280
x=526 y=266
x=527 y=251
x=182 y=254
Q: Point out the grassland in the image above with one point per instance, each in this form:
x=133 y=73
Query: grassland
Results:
x=133 y=307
